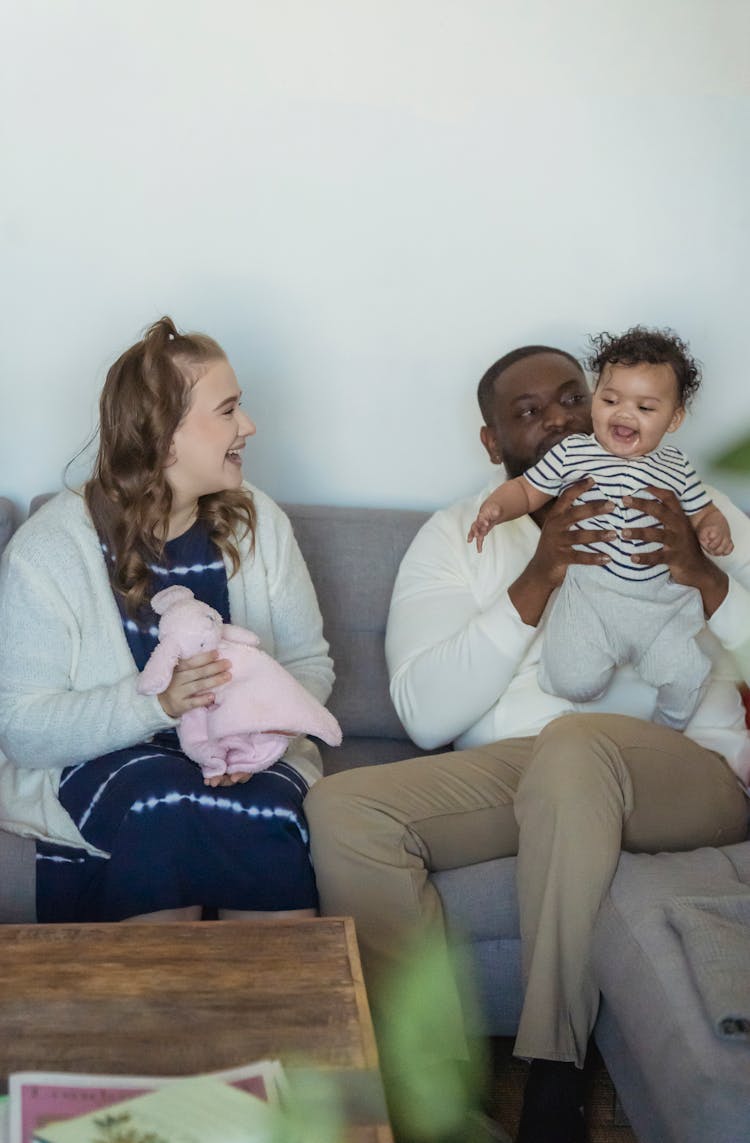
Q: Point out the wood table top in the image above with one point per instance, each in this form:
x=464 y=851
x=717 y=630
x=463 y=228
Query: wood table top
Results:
x=184 y=998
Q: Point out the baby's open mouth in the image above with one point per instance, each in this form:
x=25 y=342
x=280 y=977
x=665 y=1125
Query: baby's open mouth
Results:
x=621 y=433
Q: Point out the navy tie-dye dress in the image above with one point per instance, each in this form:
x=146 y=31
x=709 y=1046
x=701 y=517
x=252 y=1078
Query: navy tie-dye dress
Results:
x=173 y=841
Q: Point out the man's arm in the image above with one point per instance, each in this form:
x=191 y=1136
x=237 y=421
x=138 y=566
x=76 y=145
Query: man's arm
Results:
x=453 y=646
x=556 y=551
x=680 y=549
x=725 y=589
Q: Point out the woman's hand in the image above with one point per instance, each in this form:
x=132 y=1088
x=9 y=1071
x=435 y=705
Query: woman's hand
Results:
x=237 y=779
x=241 y=776
x=556 y=550
x=680 y=549
x=193 y=683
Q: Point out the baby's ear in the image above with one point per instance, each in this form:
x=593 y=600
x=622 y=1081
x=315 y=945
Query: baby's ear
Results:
x=677 y=419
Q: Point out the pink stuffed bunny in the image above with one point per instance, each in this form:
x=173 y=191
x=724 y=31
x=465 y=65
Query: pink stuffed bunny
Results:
x=248 y=726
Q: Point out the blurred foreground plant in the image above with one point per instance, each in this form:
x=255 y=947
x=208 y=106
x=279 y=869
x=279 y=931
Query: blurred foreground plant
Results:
x=432 y=1088
x=734 y=459
x=312 y=1112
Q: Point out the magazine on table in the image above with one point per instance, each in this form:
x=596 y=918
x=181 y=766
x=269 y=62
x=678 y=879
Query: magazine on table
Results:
x=38 y=1099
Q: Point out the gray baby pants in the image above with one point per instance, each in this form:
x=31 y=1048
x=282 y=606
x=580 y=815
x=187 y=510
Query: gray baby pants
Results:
x=599 y=622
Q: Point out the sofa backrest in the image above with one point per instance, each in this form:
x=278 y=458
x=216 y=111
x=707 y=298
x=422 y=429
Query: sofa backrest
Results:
x=7 y=521
x=353 y=555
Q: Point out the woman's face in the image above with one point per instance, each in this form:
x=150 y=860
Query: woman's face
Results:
x=206 y=453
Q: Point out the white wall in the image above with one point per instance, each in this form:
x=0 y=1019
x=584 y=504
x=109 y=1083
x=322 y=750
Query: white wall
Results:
x=366 y=202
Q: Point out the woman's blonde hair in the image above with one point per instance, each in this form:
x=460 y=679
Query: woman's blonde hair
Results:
x=145 y=396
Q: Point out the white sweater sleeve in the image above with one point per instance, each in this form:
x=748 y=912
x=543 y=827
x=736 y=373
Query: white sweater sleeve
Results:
x=44 y=721
x=731 y=621
x=449 y=656
x=297 y=623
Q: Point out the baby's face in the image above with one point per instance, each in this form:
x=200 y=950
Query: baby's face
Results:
x=634 y=406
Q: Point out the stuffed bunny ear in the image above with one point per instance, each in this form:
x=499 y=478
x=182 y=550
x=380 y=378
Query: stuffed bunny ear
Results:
x=167 y=598
x=156 y=675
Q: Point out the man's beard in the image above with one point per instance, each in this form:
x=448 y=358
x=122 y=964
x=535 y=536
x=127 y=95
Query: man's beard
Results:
x=516 y=466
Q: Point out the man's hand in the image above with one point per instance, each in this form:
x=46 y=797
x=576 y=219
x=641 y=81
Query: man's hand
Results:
x=556 y=550
x=680 y=549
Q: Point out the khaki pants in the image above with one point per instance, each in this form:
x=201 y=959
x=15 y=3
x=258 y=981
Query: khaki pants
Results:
x=566 y=802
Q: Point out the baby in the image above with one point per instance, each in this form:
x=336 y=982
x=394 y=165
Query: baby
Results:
x=623 y=611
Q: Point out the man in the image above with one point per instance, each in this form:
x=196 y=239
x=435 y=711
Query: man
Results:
x=565 y=793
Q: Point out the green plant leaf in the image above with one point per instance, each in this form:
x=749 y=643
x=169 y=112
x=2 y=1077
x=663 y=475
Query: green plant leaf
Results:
x=432 y=1088
x=734 y=459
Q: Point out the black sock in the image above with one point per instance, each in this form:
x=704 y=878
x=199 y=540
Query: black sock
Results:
x=552 y=1104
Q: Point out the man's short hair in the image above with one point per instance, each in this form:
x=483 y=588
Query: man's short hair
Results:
x=486 y=387
x=642 y=346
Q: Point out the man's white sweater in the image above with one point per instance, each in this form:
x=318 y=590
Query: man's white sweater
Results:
x=68 y=679
x=463 y=664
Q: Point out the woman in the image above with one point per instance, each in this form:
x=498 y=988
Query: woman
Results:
x=125 y=827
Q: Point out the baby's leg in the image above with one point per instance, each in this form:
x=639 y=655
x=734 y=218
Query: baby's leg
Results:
x=577 y=657
x=674 y=664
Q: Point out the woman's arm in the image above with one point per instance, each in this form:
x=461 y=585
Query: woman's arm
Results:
x=45 y=722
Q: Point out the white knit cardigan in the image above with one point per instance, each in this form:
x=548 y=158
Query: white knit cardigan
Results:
x=68 y=679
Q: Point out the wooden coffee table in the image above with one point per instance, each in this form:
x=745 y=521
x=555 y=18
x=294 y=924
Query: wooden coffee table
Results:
x=177 y=999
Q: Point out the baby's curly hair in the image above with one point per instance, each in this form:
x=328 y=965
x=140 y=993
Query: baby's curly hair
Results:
x=640 y=345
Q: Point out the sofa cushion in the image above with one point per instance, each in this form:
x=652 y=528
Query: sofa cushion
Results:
x=355 y=752
x=692 y=1085
x=7 y=521
x=481 y=910
x=18 y=880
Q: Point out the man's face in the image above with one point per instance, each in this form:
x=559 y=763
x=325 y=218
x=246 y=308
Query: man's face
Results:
x=538 y=401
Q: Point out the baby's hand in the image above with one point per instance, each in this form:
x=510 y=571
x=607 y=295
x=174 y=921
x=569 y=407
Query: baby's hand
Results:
x=489 y=514
x=715 y=538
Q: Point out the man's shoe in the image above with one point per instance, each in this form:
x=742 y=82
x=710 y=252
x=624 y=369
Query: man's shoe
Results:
x=552 y=1104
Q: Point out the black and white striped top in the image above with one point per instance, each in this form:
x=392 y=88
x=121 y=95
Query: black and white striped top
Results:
x=581 y=455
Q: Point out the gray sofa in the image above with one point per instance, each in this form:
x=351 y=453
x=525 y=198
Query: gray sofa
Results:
x=677 y=1081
